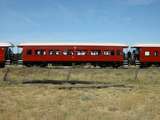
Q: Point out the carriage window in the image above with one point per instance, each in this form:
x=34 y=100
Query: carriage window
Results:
x=40 y=52
x=51 y=52
x=80 y=52
x=67 y=52
x=147 y=53
x=112 y=52
x=107 y=53
x=97 y=52
x=54 y=52
x=29 y=52
x=118 y=52
x=156 y=53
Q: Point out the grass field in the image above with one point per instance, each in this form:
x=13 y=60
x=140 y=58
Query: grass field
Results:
x=139 y=101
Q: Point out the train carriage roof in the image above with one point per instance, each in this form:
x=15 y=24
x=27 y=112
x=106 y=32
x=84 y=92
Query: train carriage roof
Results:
x=5 y=45
x=145 y=45
x=73 y=44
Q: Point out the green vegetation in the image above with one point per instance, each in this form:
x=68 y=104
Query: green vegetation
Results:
x=45 y=101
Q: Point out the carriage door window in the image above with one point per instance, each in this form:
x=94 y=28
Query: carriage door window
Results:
x=156 y=53
x=147 y=53
x=29 y=52
x=118 y=52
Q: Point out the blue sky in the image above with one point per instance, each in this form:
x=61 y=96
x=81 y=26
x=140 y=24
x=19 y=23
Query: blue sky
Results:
x=121 y=21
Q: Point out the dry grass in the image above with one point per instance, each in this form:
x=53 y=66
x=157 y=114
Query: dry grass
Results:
x=44 y=102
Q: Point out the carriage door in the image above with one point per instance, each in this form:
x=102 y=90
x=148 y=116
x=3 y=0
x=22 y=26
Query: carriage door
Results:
x=137 y=54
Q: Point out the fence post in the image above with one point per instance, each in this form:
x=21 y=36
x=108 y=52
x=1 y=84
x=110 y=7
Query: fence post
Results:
x=6 y=75
x=136 y=74
x=69 y=74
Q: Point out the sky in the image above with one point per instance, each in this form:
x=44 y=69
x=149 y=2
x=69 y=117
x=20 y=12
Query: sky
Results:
x=93 y=21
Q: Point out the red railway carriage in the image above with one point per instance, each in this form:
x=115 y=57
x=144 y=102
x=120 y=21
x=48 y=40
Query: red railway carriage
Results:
x=3 y=53
x=147 y=54
x=44 y=53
